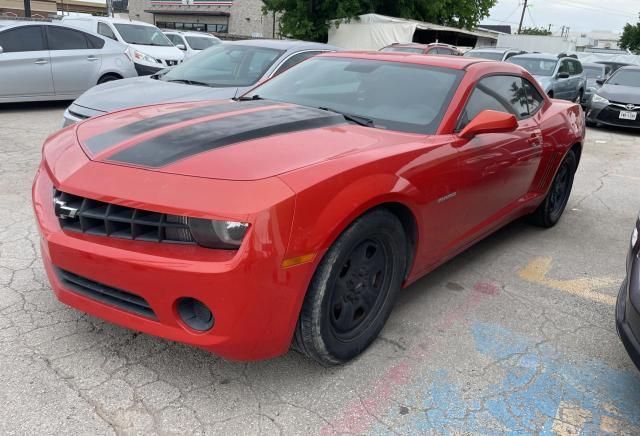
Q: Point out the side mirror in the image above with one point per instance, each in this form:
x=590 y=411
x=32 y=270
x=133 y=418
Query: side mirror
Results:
x=601 y=81
x=489 y=121
x=181 y=47
x=563 y=75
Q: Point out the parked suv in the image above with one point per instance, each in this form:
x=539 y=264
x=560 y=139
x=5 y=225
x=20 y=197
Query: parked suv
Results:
x=561 y=76
x=150 y=50
x=494 y=53
x=191 y=43
x=46 y=61
x=429 y=49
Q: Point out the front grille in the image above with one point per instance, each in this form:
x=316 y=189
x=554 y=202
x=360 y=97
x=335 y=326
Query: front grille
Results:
x=84 y=215
x=612 y=115
x=171 y=63
x=105 y=294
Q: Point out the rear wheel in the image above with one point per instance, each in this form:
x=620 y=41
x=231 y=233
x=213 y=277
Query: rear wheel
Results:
x=551 y=209
x=353 y=290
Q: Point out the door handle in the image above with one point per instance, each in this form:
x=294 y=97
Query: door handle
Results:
x=535 y=139
x=92 y=58
x=41 y=61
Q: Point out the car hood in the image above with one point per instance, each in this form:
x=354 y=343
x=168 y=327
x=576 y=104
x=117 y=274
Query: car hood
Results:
x=142 y=91
x=168 y=52
x=228 y=140
x=620 y=94
x=544 y=81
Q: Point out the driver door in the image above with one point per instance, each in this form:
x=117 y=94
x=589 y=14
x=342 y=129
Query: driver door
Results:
x=496 y=169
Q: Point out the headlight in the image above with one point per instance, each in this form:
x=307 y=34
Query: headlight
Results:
x=591 y=89
x=599 y=99
x=137 y=55
x=218 y=234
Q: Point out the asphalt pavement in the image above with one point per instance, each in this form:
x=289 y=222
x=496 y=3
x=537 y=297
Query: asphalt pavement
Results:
x=515 y=335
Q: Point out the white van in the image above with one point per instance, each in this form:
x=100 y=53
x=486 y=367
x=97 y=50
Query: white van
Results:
x=149 y=48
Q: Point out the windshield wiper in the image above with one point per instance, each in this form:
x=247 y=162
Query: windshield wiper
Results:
x=188 y=82
x=247 y=98
x=358 y=119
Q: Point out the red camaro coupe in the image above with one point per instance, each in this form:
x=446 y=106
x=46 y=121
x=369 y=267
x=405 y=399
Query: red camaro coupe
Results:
x=295 y=214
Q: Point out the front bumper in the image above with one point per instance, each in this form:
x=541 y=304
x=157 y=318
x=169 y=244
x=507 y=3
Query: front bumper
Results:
x=146 y=70
x=599 y=113
x=255 y=302
x=628 y=324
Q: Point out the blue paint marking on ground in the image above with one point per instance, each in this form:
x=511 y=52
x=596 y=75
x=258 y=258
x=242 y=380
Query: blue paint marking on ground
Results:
x=529 y=384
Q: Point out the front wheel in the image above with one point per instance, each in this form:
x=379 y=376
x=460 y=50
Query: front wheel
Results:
x=551 y=209
x=353 y=290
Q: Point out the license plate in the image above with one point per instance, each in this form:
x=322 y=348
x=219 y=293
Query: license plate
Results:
x=626 y=115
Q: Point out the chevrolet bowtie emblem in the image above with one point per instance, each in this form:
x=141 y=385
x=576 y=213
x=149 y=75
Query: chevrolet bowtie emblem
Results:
x=63 y=211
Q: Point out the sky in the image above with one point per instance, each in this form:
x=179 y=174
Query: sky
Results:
x=579 y=15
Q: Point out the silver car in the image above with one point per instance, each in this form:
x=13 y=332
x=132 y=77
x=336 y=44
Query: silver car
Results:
x=223 y=71
x=47 y=61
x=560 y=76
x=191 y=43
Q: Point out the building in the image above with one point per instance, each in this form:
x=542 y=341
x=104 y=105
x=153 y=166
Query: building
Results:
x=233 y=17
x=44 y=9
x=500 y=28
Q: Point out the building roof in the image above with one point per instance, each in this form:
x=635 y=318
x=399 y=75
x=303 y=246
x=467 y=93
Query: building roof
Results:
x=502 y=28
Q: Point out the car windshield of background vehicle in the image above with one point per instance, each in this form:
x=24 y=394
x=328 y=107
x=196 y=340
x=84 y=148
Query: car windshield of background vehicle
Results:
x=201 y=42
x=225 y=66
x=593 y=72
x=625 y=78
x=537 y=67
x=404 y=49
x=491 y=55
x=360 y=87
x=142 y=35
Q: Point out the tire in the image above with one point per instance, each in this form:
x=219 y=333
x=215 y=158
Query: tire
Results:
x=549 y=212
x=108 y=78
x=345 y=306
x=550 y=94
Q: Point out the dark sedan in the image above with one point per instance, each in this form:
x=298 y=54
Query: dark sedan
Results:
x=617 y=102
x=628 y=306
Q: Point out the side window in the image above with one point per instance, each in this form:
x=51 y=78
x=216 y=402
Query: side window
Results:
x=175 y=39
x=443 y=51
x=27 y=38
x=295 y=60
x=564 y=67
x=61 y=38
x=577 y=66
x=498 y=93
x=572 y=68
x=534 y=99
x=105 y=30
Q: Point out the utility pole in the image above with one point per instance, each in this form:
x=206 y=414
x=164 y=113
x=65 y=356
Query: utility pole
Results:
x=524 y=9
x=27 y=8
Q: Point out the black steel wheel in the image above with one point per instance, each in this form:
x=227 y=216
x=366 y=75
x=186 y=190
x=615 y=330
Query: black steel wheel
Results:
x=353 y=290
x=551 y=209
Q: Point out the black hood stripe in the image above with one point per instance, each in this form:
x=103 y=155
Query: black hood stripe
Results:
x=106 y=140
x=198 y=138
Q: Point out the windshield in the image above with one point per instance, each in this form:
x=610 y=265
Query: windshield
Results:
x=593 y=72
x=201 y=42
x=225 y=65
x=392 y=95
x=142 y=35
x=625 y=78
x=404 y=49
x=536 y=66
x=492 y=55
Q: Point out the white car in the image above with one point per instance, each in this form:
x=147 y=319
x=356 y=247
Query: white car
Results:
x=149 y=47
x=191 y=43
x=51 y=61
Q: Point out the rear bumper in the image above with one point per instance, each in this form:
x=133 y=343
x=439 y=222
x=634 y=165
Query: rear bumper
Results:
x=628 y=324
x=254 y=301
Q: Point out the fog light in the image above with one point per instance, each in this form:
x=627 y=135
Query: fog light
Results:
x=195 y=314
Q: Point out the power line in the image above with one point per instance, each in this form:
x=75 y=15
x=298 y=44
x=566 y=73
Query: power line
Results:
x=594 y=8
x=531 y=16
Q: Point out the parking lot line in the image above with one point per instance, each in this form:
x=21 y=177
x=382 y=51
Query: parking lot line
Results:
x=586 y=287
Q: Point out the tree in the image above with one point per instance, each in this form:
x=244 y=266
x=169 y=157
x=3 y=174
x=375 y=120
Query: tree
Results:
x=535 y=31
x=630 y=38
x=309 y=19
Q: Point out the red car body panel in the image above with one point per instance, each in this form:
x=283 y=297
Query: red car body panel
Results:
x=297 y=200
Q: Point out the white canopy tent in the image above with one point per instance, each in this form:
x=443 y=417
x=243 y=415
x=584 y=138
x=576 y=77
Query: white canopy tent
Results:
x=373 y=31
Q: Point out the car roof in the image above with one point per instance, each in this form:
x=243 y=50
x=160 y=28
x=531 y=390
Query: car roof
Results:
x=282 y=44
x=188 y=33
x=593 y=64
x=543 y=56
x=493 y=49
x=630 y=67
x=453 y=62
x=417 y=44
